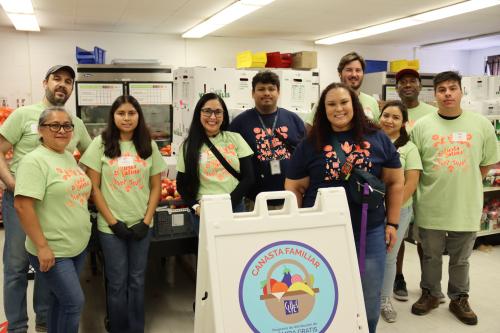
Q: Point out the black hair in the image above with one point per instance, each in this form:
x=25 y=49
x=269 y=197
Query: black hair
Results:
x=348 y=58
x=266 y=77
x=403 y=134
x=320 y=133
x=447 y=76
x=111 y=135
x=195 y=140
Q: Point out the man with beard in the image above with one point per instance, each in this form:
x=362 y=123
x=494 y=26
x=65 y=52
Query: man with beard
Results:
x=20 y=132
x=351 y=70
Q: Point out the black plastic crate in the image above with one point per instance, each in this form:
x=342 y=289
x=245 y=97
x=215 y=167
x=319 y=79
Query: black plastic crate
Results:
x=172 y=222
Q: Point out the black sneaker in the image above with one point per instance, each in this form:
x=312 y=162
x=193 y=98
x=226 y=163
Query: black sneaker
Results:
x=399 y=291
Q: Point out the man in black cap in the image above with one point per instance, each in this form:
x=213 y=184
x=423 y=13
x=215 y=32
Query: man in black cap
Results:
x=20 y=133
x=408 y=86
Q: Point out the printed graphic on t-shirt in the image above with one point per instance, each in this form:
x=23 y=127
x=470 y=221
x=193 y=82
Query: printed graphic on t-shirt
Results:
x=359 y=157
x=269 y=146
x=127 y=173
x=451 y=151
x=80 y=186
x=210 y=166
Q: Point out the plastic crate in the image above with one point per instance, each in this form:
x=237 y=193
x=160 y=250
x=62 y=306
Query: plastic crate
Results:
x=172 y=223
x=90 y=57
x=373 y=66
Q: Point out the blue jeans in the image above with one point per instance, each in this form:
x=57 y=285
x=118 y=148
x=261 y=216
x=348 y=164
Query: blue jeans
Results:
x=15 y=269
x=374 y=273
x=239 y=208
x=66 y=294
x=125 y=268
x=390 y=262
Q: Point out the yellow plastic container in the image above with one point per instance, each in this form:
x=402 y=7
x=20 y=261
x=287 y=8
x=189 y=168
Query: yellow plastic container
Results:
x=246 y=59
x=397 y=65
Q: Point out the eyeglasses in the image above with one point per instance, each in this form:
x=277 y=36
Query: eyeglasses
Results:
x=55 y=127
x=209 y=112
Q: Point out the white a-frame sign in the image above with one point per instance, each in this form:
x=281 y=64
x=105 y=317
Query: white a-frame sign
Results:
x=286 y=271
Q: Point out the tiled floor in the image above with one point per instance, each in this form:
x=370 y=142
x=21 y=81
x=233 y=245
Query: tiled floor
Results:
x=170 y=293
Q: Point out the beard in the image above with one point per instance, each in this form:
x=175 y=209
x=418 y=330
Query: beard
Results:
x=51 y=97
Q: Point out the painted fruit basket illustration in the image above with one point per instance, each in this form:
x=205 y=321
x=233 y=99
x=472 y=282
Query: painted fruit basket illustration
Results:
x=292 y=299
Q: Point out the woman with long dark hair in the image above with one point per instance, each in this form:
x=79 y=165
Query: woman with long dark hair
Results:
x=200 y=171
x=393 y=120
x=124 y=165
x=340 y=124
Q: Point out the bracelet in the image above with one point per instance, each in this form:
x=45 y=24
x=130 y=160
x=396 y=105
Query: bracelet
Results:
x=395 y=226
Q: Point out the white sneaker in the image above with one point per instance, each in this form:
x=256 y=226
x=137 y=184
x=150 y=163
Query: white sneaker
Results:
x=387 y=311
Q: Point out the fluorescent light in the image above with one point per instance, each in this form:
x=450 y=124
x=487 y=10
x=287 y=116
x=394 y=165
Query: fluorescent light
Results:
x=227 y=15
x=433 y=15
x=26 y=22
x=17 y=6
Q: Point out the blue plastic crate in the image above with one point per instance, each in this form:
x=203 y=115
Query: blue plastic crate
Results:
x=89 y=57
x=373 y=66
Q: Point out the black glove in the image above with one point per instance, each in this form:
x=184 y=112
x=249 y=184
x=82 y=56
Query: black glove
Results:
x=139 y=230
x=121 y=231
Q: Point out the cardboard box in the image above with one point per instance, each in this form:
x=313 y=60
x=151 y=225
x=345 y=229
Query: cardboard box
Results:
x=305 y=60
x=475 y=88
x=295 y=89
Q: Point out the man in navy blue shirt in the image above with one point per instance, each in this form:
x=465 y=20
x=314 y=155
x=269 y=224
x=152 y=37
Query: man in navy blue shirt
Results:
x=272 y=132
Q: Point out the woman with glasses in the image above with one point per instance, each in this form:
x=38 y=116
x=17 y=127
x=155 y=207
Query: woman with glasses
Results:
x=200 y=171
x=51 y=196
x=124 y=165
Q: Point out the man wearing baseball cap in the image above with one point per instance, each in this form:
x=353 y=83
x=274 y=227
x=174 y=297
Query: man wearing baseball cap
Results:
x=408 y=86
x=20 y=132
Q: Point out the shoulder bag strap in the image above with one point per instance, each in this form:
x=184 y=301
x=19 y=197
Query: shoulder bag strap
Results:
x=221 y=159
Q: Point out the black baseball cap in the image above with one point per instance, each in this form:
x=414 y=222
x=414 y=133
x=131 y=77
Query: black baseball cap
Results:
x=407 y=71
x=56 y=68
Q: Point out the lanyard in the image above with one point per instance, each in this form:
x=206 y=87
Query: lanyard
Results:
x=264 y=125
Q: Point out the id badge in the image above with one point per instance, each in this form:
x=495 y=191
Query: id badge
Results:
x=125 y=161
x=459 y=136
x=275 y=167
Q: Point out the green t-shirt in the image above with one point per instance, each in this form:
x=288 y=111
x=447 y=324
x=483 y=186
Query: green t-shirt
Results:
x=369 y=104
x=214 y=178
x=61 y=190
x=450 y=192
x=410 y=160
x=414 y=114
x=124 y=180
x=21 y=130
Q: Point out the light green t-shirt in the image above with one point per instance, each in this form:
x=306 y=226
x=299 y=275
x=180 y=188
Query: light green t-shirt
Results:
x=414 y=114
x=21 y=130
x=450 y=192
x=410 y=160
x=61 y=190
x=214 y=178
x=124 y=180
x=369 y=104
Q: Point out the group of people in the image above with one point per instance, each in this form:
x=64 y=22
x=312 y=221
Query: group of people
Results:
x=266 y=148
x=45 y=203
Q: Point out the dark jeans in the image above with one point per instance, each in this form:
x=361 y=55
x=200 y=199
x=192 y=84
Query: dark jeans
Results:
x=15 y=270
x=66 y=294
x=374 y=273
x=125 y=268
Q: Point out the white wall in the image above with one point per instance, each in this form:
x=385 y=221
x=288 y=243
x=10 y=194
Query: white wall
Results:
x=25 y=57
x=477 y=58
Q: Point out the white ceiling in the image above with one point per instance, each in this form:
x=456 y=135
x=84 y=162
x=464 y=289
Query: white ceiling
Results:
x=282 y=19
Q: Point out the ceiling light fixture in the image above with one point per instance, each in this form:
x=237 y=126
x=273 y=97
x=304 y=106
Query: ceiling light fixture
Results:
x=21 y=14
x=433 y=15
x=24 y=22
x=227 y=15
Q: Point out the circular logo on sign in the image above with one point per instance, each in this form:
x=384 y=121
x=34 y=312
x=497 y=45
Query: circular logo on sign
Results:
x=288 y=286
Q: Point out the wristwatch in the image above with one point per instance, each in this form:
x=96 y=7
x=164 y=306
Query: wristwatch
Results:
x=395 y=226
